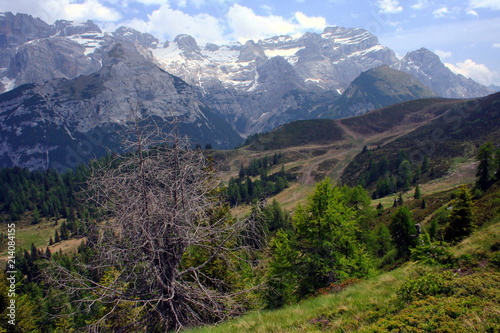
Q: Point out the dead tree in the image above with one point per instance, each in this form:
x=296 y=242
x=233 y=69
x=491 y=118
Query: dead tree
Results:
x=161 y=205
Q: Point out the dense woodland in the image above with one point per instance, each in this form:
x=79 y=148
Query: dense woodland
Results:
x=163 y=251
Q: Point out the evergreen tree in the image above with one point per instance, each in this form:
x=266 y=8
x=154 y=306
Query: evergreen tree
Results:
x=400 y=199
x=497 y=163
x=461 y=222
x=383 y=244
x=403 y=231
x=486 y=169
x=322 y=247
x=380 y=206
x=405 y=175
x=433 y=229
x=36 y=216
x=417 y=194
x=425 y=164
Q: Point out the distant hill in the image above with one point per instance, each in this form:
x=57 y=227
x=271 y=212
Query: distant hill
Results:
x=376 y=88
x=456 y=128
x=442 y=129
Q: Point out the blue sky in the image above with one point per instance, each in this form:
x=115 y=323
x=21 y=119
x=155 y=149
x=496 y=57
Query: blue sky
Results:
x=464 y=33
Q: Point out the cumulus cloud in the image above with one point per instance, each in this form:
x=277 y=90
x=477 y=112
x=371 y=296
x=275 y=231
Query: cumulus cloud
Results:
x=420 y=4
x=443 y=54
x=478 y=72
x=472 y=12
x=389 y=6
x=166 y=23
x=489 y=4
x=310 y=22
x=51 y=10
x=244 y=24
x=441 y=12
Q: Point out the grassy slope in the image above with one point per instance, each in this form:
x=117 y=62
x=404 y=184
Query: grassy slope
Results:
x=39 y=235
x=372 y=305
x=313 y=149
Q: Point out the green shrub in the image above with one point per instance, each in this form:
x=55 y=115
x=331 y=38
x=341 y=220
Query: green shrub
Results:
x=495 y=260
x=427 y=284
x=435 y=253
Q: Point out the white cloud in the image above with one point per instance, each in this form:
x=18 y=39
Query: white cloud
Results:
x=389 y=6
x=420 y=4
x=478 y=72
x=443 y=54
x=150 y=2
x=496 y=45
x=310 y=22
x=472 y=12
x=244 y=24
x=90 y=10
x=490 y=4
x=267 y=9
x=166 y=23
x=441 y=12
x=51 y=10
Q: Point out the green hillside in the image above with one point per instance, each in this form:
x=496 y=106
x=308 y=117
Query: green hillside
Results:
x=448 y=289
x=376 y=88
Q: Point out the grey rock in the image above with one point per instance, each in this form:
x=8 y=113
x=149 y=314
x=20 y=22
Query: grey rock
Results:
x=428 y=68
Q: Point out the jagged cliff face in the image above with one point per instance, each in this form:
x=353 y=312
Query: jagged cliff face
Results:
x=231 y=76
x=34 y=52
x=63 y=122
x=428 y=69
x=260 y=85
x=327 y=61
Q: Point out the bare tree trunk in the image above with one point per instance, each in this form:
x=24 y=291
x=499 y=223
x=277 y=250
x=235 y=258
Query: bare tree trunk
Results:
x=160 y=203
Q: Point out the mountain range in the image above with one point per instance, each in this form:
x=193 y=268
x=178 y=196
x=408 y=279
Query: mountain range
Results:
x=69 y=89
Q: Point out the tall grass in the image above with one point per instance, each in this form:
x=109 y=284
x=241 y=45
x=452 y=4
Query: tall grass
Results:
x=349 y=309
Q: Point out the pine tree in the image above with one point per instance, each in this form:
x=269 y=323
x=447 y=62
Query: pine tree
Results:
x=423 y=204
x=400 y=199
x=425 y=164
x=461 y=223
x=36 y=216
x=486 y=169
x=322 y=247
x=403 y=231
x=405 y=175
x=417 y=194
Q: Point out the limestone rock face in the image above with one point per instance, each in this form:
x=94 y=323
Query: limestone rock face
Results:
x=428 y=68
x=62 y=58
x=66 y=121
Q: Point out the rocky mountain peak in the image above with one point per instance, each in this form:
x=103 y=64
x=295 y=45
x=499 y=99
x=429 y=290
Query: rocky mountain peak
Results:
x=189 y=47
x=252 y=51
x=212 y=47
x=277 y=70
x=427 y=67
x=20 y=28
x=65 y=28
x=423 y=56
x=131 y=35
x=187 y=43
x=342 y=35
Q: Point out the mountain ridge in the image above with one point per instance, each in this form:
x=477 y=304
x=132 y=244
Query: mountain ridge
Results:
x=232 y=90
